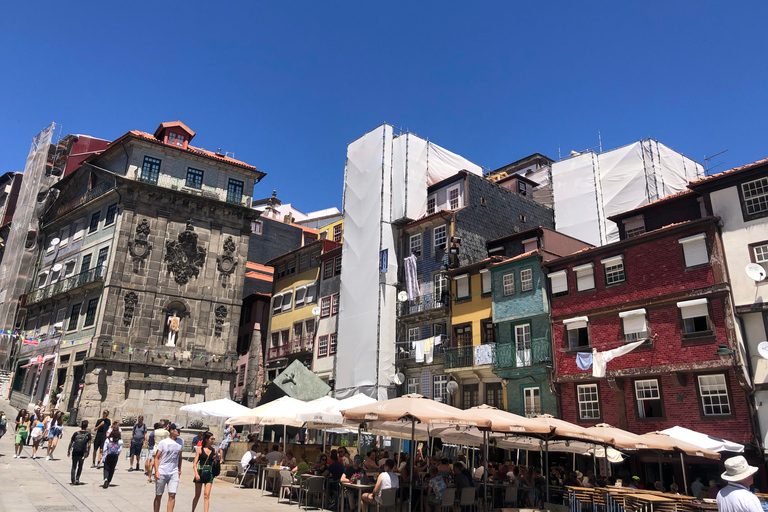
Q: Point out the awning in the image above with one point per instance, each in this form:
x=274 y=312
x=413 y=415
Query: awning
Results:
x=39 y=360
x=705 y=441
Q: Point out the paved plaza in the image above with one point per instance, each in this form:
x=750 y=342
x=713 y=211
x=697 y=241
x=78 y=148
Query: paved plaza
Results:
x=28 y=485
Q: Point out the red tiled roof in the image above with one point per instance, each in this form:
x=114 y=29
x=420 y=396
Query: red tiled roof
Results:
x=259 y=276
x=729 y=172
x=440 y=213
x=193 y=149
x=258 y=266
x=518 y=257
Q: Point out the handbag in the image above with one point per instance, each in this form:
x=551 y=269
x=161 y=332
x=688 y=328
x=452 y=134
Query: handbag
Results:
x=205 y=474
x=216 y=467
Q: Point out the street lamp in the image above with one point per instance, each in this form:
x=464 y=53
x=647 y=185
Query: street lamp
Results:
x=452 y=388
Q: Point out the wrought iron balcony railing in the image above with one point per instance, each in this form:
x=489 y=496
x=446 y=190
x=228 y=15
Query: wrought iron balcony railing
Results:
x=279 y=351
x=85 y=197
x=465 y=357
x=302 y=343
x=407 y=349
x=67 y=284
x=425 y=302
x=520 y=355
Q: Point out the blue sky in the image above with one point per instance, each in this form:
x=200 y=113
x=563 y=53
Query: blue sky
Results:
x=287 y=85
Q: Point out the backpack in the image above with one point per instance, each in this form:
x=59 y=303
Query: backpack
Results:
x=81 y=442
x=113 y=448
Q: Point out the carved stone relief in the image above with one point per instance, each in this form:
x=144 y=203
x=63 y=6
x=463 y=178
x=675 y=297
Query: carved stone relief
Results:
x=139 y=248
x=131 y=299
x=184 y=257
x=220 y=313
x=227 y=262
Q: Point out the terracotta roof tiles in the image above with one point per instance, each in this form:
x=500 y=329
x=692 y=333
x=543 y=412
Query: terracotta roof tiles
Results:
x=195 y=150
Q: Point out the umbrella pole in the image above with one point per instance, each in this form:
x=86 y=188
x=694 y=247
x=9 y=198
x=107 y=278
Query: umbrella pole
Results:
x=485 y=472
x=685 y=480
x=410 y=475
x=325 y=434
x=661 y=471
x=594 y=460
x=285 y=441
x=546 y=451
x=607 y=467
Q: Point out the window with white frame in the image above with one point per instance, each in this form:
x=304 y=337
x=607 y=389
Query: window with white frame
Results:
x=415 y=244
x=508 y=284
x=64 y=236
x=585 y=277
x=532 y=401
x=530 y=244
x=634 y=227
x=414 y=334
x=439 y=387
x=648 y=397
x=431 y=204
x=414 y=385
x=79 y=230
x=328 y=269
x=462 y=286
x=454 y=198
x=614 y=270
x=755 y=195
x=300 y=292
x=337 y=233
x=335 y=304
x=42 y=279
x=275 y=339
x=440 y=286
x=526 y=280
x=558 y=283
x=695 y=250
x=577 y=330
x=287 y=298
x=713 y=391
x=303 y=262
x=333 y=341
x=485 y=281
x=337 y=265
x=523 y=345
x=589 y=401
x=277 y=304
x=309 y=298
x=322 y=346
x=439 y=237
x=325 y=306
x=635 y=325
x=695 y=317
x=761 y=255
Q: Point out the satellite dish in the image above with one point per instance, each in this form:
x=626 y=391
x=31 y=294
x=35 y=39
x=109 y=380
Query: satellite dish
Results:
x=403 y=296
x=399 y=378
x=762 y=349
x=57 y=267
x=315 y=311
x=755 y=272
x=56 y=242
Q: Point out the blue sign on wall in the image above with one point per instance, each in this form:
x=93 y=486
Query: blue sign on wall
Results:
x=384 y=261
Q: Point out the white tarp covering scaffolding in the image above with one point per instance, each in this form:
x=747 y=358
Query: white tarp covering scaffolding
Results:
x=386 y=178
x=590 y=187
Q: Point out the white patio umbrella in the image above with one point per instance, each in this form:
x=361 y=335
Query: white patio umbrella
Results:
x=704 y=441
x=277 y=412
x=221 y=408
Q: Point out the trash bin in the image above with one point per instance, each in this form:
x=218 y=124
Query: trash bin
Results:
x=72 y=418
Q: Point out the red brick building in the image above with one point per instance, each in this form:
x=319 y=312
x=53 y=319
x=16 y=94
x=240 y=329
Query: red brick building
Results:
x=669 y=287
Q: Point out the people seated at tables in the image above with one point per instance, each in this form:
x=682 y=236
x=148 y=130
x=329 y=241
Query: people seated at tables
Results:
x=572 y=480
x=249 y=463
x=435 y=490
x=421 y=464
x=444 y=468
x=322 y=465
x=302 y=467
x=289 y=460
x=275 y=456
x=326 y=452
x=355 y=469
x=461 y=481
x=344 y=456
x=383 y=458
x=336 y=468
x=502 y=474
x=371 y=464
x=406 y=478
x=404 y=461
x=386 y=480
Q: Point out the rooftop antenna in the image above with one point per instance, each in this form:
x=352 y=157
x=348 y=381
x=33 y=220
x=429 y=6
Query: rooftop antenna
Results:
x=559 y=156
x=599 y=141
x=707 y=168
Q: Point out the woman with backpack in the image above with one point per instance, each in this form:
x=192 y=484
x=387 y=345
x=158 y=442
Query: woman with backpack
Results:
x=205 y=459
x=113 y=446
x=37 y=436
x=55 y=431
x=78 y=449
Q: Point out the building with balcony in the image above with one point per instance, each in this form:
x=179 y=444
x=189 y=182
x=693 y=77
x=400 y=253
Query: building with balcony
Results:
x=293 y=319
x=324 y=362
x=140 y=276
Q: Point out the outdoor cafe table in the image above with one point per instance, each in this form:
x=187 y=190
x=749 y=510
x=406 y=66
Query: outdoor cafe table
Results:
x=274 y=473
x=358 y=488
x=648 y=501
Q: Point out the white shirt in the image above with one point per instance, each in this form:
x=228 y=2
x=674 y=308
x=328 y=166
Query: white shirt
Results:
x=274 y=458
x=737 y=498
x=389 y=480
x=249 y=455
x=169 y=456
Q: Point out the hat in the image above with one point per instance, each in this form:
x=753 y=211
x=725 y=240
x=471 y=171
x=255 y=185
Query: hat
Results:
x=579 y=474
x=174 y=426
x=635 y=477
x=737 y=469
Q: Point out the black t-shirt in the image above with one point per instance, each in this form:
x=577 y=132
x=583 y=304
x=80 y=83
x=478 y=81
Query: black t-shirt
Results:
x=105 y=423
x=351 y=471
x=84 y=437
x=336 y=469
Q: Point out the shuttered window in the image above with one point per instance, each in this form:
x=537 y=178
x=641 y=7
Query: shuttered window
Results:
x=558 y=283
x=695 y=250
x=585 y=277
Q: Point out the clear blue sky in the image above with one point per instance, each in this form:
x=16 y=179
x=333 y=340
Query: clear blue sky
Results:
x=287 y=85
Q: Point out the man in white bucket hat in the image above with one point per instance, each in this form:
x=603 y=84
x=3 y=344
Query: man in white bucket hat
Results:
x=736 y=496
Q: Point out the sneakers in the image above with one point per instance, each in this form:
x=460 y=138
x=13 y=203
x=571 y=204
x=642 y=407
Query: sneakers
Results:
x=48 y=457
x=131 y=469
x=15 y=455
x=106 y=484
x=77 y=481
x=137 y=468
x=33 y=457
x=93 y=464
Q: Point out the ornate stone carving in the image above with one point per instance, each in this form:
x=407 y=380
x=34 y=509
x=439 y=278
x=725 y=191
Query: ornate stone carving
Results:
x=131 y=299
x=221 y=314
x=139 y=248
x=184 y=257
x=227 y=262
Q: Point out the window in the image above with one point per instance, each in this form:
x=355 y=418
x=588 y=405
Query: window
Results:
x=74 y=317
x=634 y=227
x=285 y=336
x=61 y=314
x=526 y=279
x=695 y=250
x=523 y=345
x=55 y=274
x=431 y=205
x=194 y=178
x=462 y=286
x=337 y=266
x=85 y=264
x=648 y=398
x=94 y=222
x=309 y=298
x=635 y=325
x=335 y=304
x=471 y=396
x=325 y=307
x=64 y=236
x=337 y=233
x=333 y=343
x=300 y=293
x=755 y=195
x=414 y=334
x=438 y=329
x=416 y=244
x=176 y=139
x=290 y=267
x=485 y=281
x=532 y=401
x=277 y=304
x=314 y=259
x=614 y=270
x=558 y=282
x=102 y=257
x=585 y=277
x=414 y=385
x=303 y=262
x=508 y=282
x=494 y=395
x=235 y=191
x=328 y=269
x=695 y=316
x=454 y=198
x=714 y=395
x=257 y=227
x=521 y=188
x=298 y=330
x=439 y=387
x=463 y=335
x=241 y=375
x=150 y=170
x=42 y=279
x=322 y=346
x=79 y=356
x=488 y=332
x=287 y=298
x=578 y=332
x=69 y=268
x=530 y=245
x=760 y=254
x=111 y=214
x=439 y=237
x=441 y=287
x=280 y=271
x=79 y=229
x=90 y=312
x=275 y=339
x=589 y=401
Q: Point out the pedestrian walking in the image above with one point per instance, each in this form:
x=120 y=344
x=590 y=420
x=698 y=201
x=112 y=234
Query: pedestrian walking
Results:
x=78 y=449
x=736 y=496
x=149 y=444
x=137 y=442
x=113 y=446
x=3 y=424
x=102 y=425
x=55 y=431
x=168 y=467
x=22 y=429
x=203 y=466
x=37 y=436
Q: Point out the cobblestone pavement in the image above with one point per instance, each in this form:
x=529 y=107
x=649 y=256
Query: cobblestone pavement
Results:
x=28 y=485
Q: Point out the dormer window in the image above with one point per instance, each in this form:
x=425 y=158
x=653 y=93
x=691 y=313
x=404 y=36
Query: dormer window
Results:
x=176 y=139
x=634 y=227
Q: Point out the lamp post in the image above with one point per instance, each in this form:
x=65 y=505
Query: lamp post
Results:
x=452 y=388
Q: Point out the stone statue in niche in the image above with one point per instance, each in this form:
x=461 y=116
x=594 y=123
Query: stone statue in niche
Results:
x=220 y=313
x=139 y=248
x=173 y=323
x=184 y=257
x=131 y=299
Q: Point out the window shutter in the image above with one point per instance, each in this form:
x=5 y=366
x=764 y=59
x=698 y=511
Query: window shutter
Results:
x=693 y=308
x=486 y=278
x=558 y=282
x=287 y=301
x=634 y=321
x=530 y=245
x=695 y=250
x=585 y=277
x=579 y=322
x=310 y=297
x=462 y=286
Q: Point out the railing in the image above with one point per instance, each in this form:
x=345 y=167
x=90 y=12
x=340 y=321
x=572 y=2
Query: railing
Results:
x=302 y=343
x=68 y=284
x=509 y=355
x=465 y=357
x=407 y=349
x=278 y=352
x=83 y=198
x=424 y=302
x=180 y=184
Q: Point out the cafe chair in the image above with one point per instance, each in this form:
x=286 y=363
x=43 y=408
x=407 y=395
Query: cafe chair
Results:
x=288 y=484
x=388 y=500
x=314 y=487
x=467 y=499
x=510 y=496
x=449 y=497
x=241 y=475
